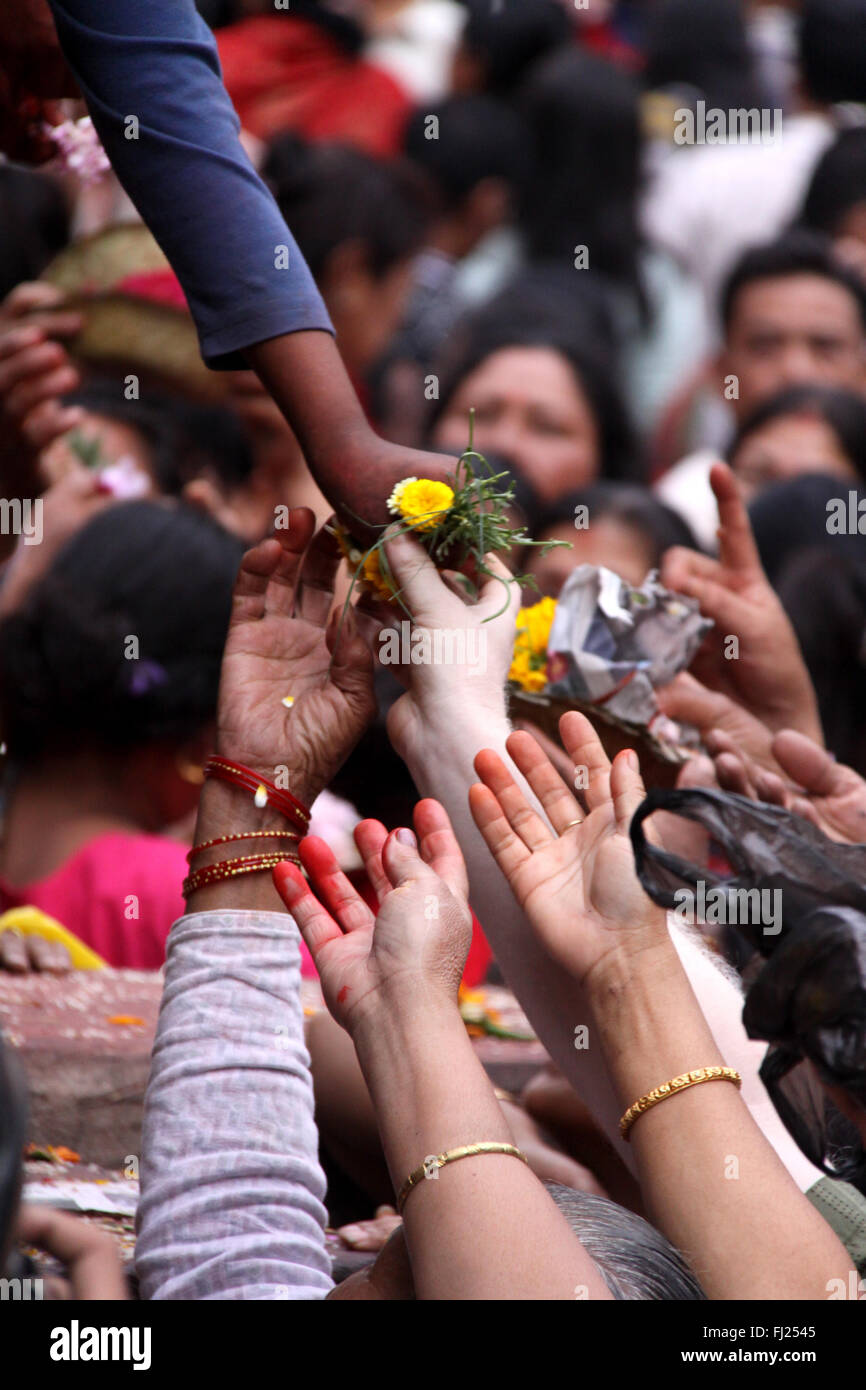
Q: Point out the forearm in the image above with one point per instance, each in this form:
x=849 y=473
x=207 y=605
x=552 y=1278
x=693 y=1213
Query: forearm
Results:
x=711 y=1181
x=231 y=1187
x=441 y=767
x=483 y=1227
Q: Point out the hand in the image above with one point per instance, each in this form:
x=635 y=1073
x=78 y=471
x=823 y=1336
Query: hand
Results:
x=711 y=713
x=415 y=947
x=24 y=955
x=768 y=676
x=281 y=643
x=90 y=1256
x=829 y=794
x=66 y=506
x=478 y=631
x=35 y=372
x=372 y=1234
x=576 y=884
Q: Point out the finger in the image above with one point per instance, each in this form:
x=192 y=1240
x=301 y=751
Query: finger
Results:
x=342 y=900
x=626 y=787
x=806 y=762
x=806 y=811
x=318 y=576
x=558 y=803
x=351 y=668
x=13 y=953
x=438 y=846
x=315 y=924
x=49 y=421
x=402 y=859
x=737 y=548
x=31 y=295
x=293 y=541
x=770 y=788
x=49 y=957
x=716 y=601
x=524 y=821
x=584 y=747
x=492 y=595
x=733 y=776
x=557 y=755
x=685 y=699
x=19 y=362
x=507 y=849
x=370 y=837
x=257 y=566
x=418 y=580
x=680 y=564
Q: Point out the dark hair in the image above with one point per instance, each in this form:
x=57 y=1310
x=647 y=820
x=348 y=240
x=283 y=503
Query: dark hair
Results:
x=628 y=503
x=702 y=47
x=832 y=45
x=543 y=309
x=795 y=253
x=838 y=182
x=584 y=117
x=824 y=594
x=160 y=573
x=34 y=215
x=184 y=439
x=844 y=412
x=477 y=138
x=331 y=194
x=634 y=1259
x=790 y=517
x=507 y=39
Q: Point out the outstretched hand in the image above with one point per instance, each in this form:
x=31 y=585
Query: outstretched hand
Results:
x=417 y=943
x=296 y=688
x=767 y=673
x=577 y=882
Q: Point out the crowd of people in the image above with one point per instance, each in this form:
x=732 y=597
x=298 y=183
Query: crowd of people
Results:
x=300 y=254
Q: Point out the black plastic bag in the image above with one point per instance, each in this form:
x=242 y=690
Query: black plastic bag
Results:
x=809 y=1000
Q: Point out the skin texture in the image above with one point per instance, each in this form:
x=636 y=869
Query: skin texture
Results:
x=767 y=676
x=790 y=330
x=578 y=888
x=529 y=408
x=391 y=981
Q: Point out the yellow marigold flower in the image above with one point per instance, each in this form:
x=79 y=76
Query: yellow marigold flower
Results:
x=536 y=622
x=374 y=578
x=421 y=501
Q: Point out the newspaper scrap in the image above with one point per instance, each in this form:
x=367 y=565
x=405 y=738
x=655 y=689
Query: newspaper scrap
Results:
x=611 y=645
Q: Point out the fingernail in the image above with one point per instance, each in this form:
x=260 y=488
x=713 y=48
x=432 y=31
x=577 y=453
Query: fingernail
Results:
x=349 y=1234
x=632 y=760
x=406 y=837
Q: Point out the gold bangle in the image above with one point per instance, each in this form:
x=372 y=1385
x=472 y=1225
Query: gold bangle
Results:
x=433 y=1162
x=670 y=1088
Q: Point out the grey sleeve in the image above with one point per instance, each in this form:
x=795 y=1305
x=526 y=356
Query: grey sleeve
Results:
x=231 y=1188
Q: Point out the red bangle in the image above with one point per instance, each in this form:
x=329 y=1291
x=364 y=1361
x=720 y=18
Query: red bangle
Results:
x=264 y=791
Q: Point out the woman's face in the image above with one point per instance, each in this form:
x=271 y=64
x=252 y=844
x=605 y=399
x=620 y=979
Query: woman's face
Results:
x=606 y=542
x=787 y=447
x=531 y=410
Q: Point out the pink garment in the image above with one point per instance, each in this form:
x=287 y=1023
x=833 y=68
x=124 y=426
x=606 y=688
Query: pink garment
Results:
x=119 y=894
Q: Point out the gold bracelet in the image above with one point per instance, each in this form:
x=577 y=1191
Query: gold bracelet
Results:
x=670 y=1088
x=433 y=1162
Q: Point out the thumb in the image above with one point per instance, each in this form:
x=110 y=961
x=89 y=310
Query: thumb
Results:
x=401 y=860
x=417 y=577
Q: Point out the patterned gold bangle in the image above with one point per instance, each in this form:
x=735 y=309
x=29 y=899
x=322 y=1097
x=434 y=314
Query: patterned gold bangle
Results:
x=230 y=868
x=433 y=1162
x=670 y=1088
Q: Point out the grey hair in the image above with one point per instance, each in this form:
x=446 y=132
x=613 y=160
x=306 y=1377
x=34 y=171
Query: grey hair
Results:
x=634 y=1259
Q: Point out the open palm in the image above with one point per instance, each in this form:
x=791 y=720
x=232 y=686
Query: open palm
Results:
x=577 y=883
x=294 y=690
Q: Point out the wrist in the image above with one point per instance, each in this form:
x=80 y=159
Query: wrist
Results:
x=396 y=1029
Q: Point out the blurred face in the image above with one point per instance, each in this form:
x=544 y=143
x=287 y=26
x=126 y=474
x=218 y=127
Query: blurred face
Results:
x=786 y=447
x=790 y=331
x=529 y=408
x=606 y=542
